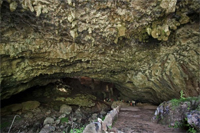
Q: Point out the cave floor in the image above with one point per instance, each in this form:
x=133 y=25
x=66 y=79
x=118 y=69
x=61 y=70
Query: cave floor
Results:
x=138 y=120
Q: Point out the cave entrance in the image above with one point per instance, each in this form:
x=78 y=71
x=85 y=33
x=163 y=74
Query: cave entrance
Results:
x=65 y=89
x=86 y=85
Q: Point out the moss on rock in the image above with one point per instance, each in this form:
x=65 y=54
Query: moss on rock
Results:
x=29 y=105
x=79 y=99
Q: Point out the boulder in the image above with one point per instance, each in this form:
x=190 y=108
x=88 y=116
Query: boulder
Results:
x=30 y=105
x=48 y=120
x=85 y=100
x=176 y=111
x=119 y=103
x=47 y=129
x=193 y=119
x=28 y=115
x=65 y=109
x=94 y=127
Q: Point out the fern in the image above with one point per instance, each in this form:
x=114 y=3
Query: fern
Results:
x=182 y=95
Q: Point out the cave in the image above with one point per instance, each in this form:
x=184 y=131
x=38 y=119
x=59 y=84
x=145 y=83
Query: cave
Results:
x=67 y=87
x=88 y=55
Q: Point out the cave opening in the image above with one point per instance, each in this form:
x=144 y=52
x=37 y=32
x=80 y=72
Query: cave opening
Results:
x=61 y=91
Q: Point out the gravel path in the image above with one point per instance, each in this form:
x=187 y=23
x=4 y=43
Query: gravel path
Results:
x=138 y=120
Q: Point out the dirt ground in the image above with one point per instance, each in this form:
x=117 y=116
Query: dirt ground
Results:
x=138 y=120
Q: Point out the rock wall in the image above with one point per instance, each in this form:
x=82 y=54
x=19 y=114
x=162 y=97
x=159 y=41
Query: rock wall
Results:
x=149 y=49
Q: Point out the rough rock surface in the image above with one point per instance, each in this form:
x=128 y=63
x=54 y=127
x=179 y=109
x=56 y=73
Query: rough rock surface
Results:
x=193 y=118
x=149 y=49
x=65 y=109
x=176 y=112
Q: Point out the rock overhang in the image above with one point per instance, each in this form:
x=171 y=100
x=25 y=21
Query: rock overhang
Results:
x=103 y=41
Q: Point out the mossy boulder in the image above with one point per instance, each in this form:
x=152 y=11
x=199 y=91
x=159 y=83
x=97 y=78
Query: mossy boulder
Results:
x=29 y=105
x=84 y=100
x=176 y=111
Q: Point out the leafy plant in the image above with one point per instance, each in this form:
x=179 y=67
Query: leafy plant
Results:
x=191 y=130
x=177 y=124
x=176 y=102
x=182 y=95
x=103 y=118
x=77 y=130
x=65 y=119
x=109 y=127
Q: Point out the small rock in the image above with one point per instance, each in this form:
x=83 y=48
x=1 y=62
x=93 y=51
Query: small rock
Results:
x=62 y=116
x=19 y=113
x=37 y=110
x=119 y=103
x=59 y=130
x=103 y=112
x=47 y=129
x=62 y=126
x=193 y=118
x=48 y=120
x=94 y=116
x=28 y=115
x=65 y=109
x=78 y=113
x=93 y=128
x=48 y=112
x=57 y=121
x=74 y=119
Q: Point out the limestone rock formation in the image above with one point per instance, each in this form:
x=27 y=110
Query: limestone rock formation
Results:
x=148 y=48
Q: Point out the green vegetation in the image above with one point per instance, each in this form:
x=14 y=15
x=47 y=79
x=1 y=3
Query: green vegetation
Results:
x=177 y=125
x=77 y=130
x=191 y=130
x=103 y=118
x=4 y=124
x=65 y=119
x=176 y=102
x=109 y=127
x=158 y=117
x=184 y=124
x=8 y=123
x=182 y=95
